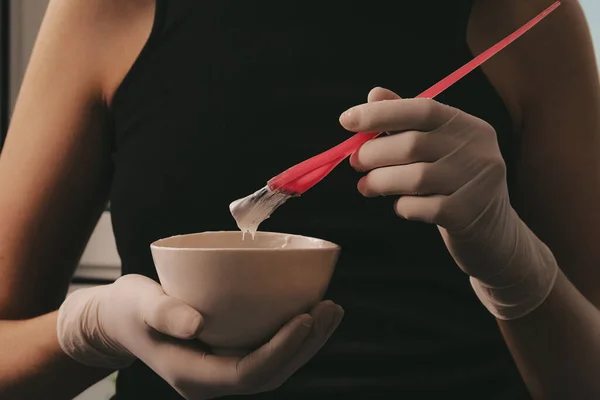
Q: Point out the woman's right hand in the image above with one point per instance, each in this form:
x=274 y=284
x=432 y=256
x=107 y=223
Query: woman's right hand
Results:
x=110 y=326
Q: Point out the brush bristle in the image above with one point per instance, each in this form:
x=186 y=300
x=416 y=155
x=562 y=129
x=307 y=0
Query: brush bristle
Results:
x=249 y=212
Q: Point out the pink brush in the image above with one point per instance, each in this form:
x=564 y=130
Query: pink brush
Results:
x=301 y=177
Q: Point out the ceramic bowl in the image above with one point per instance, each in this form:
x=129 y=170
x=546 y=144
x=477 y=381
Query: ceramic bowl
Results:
x=246 y=289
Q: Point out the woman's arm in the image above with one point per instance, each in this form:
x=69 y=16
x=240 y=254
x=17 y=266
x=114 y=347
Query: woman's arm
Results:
x=33 y=364
x=55 y=176
x=549 y=81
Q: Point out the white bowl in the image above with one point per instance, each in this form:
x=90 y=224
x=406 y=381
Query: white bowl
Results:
x=245 y=289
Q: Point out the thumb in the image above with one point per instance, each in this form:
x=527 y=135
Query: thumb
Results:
x=168 y=315
x=380 y=94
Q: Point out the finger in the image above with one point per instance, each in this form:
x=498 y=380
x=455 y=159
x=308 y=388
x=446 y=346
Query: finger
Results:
x=186 y=366
x=170 y=316
x=397 y=115
x=412 y=179
x=429 y=209
x=327 y=316
x=259 y=367
x=380 y=94
x=401 y=148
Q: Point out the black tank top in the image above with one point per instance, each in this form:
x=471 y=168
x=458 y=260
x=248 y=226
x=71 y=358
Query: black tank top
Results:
x=225 y=95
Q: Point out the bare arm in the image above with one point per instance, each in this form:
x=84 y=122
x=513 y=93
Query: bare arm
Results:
x=549 y=81
x=55 y=176
x=35 y=365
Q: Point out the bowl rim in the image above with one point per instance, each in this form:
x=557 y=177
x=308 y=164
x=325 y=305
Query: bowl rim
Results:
x=330 y=246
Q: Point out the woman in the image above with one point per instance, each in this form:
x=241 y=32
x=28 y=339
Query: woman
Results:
x=153 y=104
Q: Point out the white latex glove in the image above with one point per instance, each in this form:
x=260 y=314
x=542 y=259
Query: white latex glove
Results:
x=447 y=168
x=110 y=326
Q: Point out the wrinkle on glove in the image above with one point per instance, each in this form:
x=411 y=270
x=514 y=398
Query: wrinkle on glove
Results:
x=80 y=336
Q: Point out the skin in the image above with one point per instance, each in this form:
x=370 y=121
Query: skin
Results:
x=55 y=167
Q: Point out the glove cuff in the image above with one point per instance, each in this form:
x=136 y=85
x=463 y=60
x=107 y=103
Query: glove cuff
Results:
x=534 y=270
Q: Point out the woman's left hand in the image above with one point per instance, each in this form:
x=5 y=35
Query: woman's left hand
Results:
x=447 y=169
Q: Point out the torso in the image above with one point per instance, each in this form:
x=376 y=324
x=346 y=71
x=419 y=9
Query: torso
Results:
x=226 y=95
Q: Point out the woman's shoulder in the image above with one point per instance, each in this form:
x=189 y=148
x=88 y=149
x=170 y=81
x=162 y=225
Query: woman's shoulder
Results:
x=540 y=67
x=108 y=34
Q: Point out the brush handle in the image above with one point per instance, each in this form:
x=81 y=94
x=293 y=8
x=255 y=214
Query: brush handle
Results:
x=301 y=177
x=306 y=174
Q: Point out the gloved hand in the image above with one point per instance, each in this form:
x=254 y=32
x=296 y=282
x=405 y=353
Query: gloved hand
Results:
x=110 y=326
x=447 y=168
